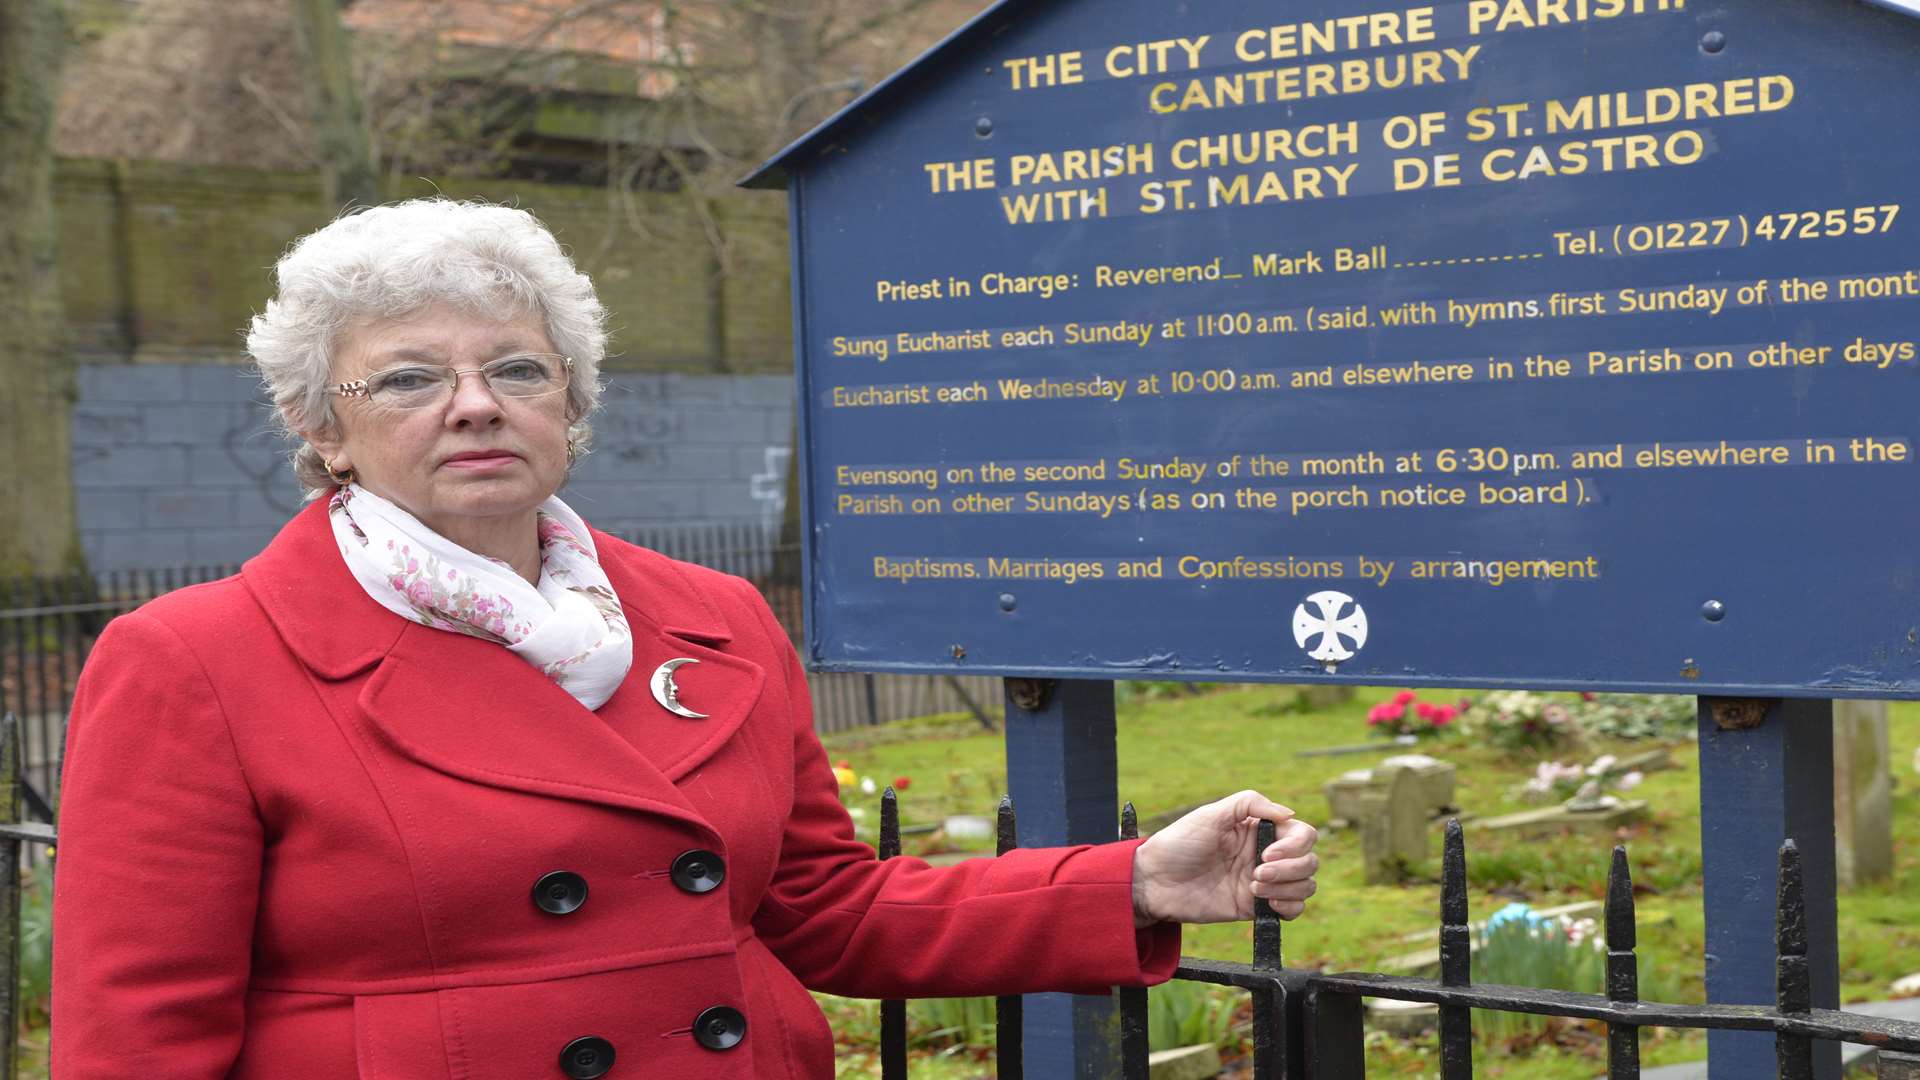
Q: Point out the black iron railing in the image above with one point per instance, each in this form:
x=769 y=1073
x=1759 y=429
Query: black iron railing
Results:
x=1308 y=1025
x=18 y=835
x=47 y=628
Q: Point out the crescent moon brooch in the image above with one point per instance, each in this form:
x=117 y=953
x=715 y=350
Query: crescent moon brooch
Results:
x=667 y=693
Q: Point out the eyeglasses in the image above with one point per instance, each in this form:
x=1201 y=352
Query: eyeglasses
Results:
x=418 y=386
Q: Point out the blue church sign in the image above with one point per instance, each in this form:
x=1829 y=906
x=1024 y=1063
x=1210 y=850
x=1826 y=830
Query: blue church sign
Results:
x=1499 y=342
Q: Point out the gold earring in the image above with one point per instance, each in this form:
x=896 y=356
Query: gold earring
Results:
x=573 y=453
x=341 y=478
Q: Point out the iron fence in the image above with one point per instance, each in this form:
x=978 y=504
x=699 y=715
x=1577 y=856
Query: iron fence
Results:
x=1308 y=1025
x=48 y=626
x=16 y=832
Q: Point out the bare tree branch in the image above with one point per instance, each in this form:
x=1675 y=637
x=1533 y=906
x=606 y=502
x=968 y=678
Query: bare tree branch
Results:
x=299 y=136
x=900 y=9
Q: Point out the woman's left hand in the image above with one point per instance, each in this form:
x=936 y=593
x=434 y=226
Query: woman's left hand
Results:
x=1203 y=867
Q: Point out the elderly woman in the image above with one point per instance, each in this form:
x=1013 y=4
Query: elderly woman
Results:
x=401 y=800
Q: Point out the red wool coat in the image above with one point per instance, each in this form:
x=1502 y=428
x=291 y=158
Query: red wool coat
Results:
x=300 y=838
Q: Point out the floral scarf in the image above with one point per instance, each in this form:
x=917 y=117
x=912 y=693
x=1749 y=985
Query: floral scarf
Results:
x=571 y=626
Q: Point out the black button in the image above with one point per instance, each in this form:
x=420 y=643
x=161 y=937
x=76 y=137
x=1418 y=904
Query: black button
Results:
x=720 y=1028
x=560 y=893
x=699 y=871
x=587 y=1057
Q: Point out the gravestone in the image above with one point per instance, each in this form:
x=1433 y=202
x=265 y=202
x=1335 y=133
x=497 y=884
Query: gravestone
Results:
x=1608 y=814
x=1862 y=793
x=1393 y=826
x=1433 y=784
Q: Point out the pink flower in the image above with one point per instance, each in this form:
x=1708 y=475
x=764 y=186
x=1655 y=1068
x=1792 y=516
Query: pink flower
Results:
x=1393 y=712
x=1424 y=710
x=1404 y=697
x=1444 y=714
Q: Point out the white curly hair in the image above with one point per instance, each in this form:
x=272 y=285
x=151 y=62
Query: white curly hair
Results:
x=391 y=261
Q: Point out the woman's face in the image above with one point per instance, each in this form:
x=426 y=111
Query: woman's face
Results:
x=472 y=463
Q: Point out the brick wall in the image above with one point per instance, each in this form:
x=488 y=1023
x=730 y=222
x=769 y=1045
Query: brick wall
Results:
x=178 y=464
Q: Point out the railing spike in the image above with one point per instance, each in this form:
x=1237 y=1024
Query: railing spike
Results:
x=1456 y=956
x=893 y=1012
x=1266 y=922
x=1134 y=1051
x=889 y=845
x=1621 y=932
x=1791 y=920
x=1793 y=978
x=1009 y=1011
x=1269 y=1038
x=1453 y=877
x=1623 y=973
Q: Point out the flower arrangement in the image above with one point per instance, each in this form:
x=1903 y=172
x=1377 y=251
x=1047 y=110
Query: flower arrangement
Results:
x=849 y=781
x=1406 y=714
x=1521 y=720
x=1638 y=716
x=1553 y=781
x=858 y=792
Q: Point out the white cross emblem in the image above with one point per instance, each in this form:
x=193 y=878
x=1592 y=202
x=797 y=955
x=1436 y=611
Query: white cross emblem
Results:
x=1328 y=624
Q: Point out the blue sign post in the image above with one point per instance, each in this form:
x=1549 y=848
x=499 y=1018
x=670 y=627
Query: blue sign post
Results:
x=1504 y=343
x=1766 y=775
x=1062 y=773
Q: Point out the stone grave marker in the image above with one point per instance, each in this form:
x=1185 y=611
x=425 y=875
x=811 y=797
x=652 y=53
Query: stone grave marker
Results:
x=1862 y=793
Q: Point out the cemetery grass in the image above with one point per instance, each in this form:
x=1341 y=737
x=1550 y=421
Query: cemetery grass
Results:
x=1177 y=749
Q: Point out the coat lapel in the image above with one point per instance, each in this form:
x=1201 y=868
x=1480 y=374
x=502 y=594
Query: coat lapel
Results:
x=469 y=708
x=722 y=685
x=672 y=619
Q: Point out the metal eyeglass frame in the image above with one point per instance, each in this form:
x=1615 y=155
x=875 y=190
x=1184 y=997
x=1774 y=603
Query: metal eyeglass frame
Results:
x=359 y=388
